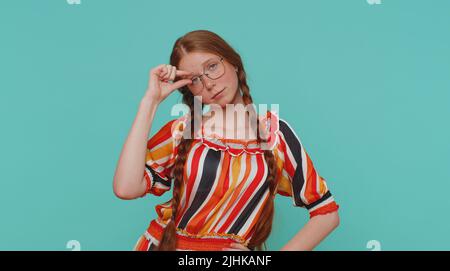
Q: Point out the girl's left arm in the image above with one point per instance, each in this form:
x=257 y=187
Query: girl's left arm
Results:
x=314 y=231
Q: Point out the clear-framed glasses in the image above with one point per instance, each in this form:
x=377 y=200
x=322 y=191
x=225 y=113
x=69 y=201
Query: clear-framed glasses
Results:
x=213 y=69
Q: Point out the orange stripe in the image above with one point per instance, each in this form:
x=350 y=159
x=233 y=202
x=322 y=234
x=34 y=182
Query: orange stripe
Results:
x=161 y=152
x=240 y=186
x=197 y=222
x=161 y=135
x=236 y=168
x=142 y=244
x=195 y=168
x=284 y=186
x=251 y=228
x=322 y=186
x=223 y=197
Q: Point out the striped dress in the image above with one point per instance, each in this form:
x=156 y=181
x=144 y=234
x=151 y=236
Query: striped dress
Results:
x=224 y=186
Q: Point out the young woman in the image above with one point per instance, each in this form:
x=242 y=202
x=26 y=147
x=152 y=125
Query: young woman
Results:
x=223 y=187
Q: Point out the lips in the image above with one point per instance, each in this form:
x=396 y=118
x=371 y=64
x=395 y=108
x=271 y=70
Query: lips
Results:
x=217 y=93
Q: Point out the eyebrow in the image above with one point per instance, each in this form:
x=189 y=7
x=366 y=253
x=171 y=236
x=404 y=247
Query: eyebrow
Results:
x=203 y=63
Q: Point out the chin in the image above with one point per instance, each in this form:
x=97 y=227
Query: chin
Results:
x=227 y=98
x=217 y=103
x=221 y=102
x=224 y=101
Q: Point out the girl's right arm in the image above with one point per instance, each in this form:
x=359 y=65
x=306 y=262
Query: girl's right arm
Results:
x=129 y=181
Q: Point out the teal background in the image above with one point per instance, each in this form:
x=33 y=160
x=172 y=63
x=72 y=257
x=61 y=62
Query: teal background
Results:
x=366 y=88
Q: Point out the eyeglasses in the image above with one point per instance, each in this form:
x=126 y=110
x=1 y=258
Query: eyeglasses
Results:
x=213 y=70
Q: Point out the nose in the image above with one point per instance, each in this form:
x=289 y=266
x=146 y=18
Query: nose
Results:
x=209 y=84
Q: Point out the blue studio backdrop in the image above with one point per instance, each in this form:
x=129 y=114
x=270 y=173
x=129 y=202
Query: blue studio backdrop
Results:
x=364 y=83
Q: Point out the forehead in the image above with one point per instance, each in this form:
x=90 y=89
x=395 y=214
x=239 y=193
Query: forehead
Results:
x=194 y=61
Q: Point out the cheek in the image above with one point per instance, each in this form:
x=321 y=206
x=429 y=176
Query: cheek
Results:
x=230 y=81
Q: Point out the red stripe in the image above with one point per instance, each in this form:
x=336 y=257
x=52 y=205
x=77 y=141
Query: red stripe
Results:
x=245 y=197
x=329 y=208
x=162 y=135
x=205 y=243
x=190 y=184
x=288 y=166
x=198 y=221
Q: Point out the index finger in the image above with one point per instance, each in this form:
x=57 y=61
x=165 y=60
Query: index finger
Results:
x=181 y=73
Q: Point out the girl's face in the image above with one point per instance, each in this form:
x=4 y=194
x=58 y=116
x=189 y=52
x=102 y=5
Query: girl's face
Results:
x=217 y=91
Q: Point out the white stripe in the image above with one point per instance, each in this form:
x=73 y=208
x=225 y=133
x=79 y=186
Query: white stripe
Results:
x=150 y=238
x=188 y=173
x=211 y=192
x=190 y=158
x=161 y=186
x=230 y=182
x=257 y=209
x=289 y=154
x=150 y=176
x=153 y=183
x=162 y=144
x=148 y=245
x=280 y=154
x=226 y=180
x=304 y=163
x=158 y=170
x=330 y=199
x=251 y=176
x=162 y=161
x=318 y=182
x=305 y=178
x=197 y=177
x=261 y=182
x=238 y=182
x=290 y=157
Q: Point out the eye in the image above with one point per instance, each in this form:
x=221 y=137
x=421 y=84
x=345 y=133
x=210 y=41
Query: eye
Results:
x=212 y=67
x=195 y=80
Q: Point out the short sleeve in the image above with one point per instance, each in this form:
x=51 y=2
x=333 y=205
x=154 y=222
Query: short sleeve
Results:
x=162 y=149
x=299 y=178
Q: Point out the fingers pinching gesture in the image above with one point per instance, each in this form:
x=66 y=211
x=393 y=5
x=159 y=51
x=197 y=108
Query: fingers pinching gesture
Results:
x=164 y=79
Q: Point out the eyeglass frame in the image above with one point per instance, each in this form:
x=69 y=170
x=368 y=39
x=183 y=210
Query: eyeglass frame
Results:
x=203 y=73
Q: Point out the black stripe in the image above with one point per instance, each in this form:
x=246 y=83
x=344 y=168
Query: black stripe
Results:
x=210 y=168
x=294 y=145
x=157 y=178
x=322 y=199
x=239 y=223
x=151 y=247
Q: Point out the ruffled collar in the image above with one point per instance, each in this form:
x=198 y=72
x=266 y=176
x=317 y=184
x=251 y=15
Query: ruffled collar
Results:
x=268 y=122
